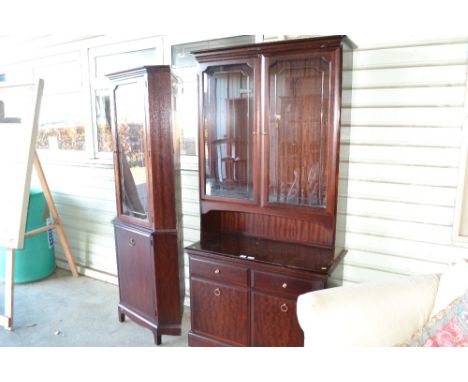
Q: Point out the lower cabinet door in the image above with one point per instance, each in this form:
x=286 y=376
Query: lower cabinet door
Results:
x=135 y=262
x=274 y=321
x=220 y=311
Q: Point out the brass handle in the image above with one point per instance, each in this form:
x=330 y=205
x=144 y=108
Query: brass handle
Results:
x=217 y=292
x=217 y=271
x=284 y=308
x=131 y=242
x=285 y=285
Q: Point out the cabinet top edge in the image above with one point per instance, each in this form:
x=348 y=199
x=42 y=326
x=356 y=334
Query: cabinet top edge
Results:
x=137 y=71
x=323 y=42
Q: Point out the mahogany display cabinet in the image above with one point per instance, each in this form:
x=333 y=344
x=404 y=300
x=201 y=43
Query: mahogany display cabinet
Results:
x=147 y=175
x=269 y=142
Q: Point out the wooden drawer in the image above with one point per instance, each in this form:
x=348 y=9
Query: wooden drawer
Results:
x=274 y=321
x=219 y=272
x=284 y=285
x=220 y=311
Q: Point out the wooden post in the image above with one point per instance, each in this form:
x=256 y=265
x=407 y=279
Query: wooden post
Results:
x=55 y=215
x=7 y=319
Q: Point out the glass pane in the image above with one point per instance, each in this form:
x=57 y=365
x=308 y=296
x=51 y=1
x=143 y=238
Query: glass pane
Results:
x=298 y=131
x=103 y=126
x=116 y=62
x=184 y=66
x=61 y=122
x=228 y=105
x=187 y=112
x=130 y=114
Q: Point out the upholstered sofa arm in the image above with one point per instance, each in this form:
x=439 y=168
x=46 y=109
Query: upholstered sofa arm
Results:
x=367 y=314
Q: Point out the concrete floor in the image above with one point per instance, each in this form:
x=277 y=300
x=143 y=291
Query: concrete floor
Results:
x=62 y=310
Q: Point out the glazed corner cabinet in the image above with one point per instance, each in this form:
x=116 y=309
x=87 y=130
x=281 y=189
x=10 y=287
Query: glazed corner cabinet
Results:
x=147 y=174
x=269 y=139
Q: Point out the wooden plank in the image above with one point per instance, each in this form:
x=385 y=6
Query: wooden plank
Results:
x=429 y=233
x=437 y=196
x=391 y=263
x=402 y=116
x=420 y=156
x=85 y=202
x=39 y=230
x=358 y=274
x=449 y=137
x=86 y=214
x=409 y=175
x=404 y=248
x=398 y=211
x=435 y=96
x=190 y=208
x=423 y=55
x=192 y=222
x=449 y=75
x=9 y=288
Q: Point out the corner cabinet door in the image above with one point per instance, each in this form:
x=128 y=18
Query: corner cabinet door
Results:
x=131 y=152
x=300 y=137
x=228 y=131
x=136 y=263
x=274 y=321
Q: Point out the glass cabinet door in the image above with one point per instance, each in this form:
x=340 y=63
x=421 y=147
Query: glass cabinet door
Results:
x=130 y=126
x=227 y=128
x=298 y=124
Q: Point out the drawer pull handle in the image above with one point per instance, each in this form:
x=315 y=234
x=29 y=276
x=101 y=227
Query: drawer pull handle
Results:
x=217 y=271
x=284 y=308
x=217 y=292
x=285 y=285
x=131 y=242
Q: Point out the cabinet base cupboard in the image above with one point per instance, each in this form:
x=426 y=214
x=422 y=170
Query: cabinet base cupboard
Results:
x=270 y=118
x=148 y=241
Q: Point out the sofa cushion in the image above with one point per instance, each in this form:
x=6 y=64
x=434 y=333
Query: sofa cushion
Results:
x=367 y=314
x=452 y=284
x=448 y=328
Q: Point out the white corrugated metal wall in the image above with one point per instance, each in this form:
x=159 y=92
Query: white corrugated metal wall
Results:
x=403 y=144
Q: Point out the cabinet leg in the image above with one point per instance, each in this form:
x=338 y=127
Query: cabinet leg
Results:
x=121 y=316
x=157 y=339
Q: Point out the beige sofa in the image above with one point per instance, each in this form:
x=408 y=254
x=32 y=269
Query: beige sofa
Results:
x=377 y=313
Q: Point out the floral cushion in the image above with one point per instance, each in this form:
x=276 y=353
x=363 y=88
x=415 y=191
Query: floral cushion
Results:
x=447 y=328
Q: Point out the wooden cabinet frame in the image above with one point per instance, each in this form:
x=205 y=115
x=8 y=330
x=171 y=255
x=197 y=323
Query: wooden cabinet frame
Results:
x=291 y=236
x=149 y=251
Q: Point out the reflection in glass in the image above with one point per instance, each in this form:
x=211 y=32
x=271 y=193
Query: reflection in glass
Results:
x=103 y=124
x=299 y=116
x=130 y=120
x=228 y=127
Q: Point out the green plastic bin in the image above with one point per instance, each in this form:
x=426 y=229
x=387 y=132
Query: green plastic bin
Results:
x=37 y=258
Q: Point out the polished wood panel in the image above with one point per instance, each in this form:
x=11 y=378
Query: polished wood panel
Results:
x=290 y=229
x=274 y=321
x=219 y=272
x=136 y=255
x=245 y=250
x=148 y=244
x=280 y=284
x=220 y=311
x=198 y=340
